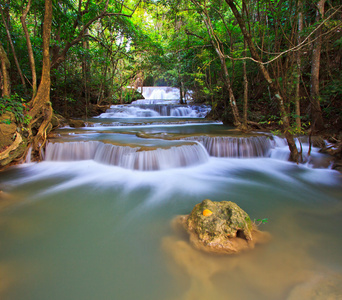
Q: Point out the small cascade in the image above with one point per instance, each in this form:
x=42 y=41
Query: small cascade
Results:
x=128 y=157
x=156 y=110
x=153 y=101
x=315 y=159
x=243 y=147
x=128 y=111
x=28 y=156
x=161 y=92
x=279 y=141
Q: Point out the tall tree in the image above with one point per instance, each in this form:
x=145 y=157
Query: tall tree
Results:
x=217 y=45
x=12 y=47
x=316 y=111
x=299 y=64
x=5 y=64
x=29 y=49
x=273 y=87
x=41 y=110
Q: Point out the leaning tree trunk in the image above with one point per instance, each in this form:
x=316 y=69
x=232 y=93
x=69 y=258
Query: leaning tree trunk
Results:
x=216 y=44
x=294 y=156
x=299 y=68
x=29 y=49
x=41 y=110
x=316 y=112
x=232 y=101
x=5 y=64
x=245 y=90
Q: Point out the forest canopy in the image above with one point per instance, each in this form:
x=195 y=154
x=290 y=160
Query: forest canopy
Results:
x=258 y=64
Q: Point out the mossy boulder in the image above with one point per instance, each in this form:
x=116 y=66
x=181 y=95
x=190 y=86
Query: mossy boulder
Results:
x=221 y=227
x=58 y=121
x=76 y=123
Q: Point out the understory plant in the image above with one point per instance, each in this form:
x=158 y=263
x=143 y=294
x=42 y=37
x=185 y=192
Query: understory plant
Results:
x=15 y=105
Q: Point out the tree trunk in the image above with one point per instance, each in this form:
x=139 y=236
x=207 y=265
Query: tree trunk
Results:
x=5 y=64
x=316 y=112
x=228 y=85
x=181 y=93
x=294 y=156
x=13 y=50
x=85 y=71
x=245 y=90
x=216 y=44
x=29 y=50
x=41 y=110
x=299 y=62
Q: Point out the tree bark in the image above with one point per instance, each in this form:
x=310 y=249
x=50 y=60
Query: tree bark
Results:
x=41 y=110
x=181 y=101
x=29 y=49
x=294 y=156
x=245 y=90
x=316 y=112
x=216 y=44
x=299 y=63
x=5 y=64
x=86 y=72
x=232 y=100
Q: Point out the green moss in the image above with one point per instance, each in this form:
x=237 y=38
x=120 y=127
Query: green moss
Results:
x=227 y=220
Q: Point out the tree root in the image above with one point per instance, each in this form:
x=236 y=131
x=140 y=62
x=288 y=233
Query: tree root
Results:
x=39 y=140
x=255 y=124
x=4 y=154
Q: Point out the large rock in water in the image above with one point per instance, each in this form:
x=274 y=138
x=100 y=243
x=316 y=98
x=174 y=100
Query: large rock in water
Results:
x=221 y=227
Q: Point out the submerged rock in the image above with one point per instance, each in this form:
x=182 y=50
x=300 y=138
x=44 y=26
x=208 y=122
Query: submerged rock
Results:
x=221 y=227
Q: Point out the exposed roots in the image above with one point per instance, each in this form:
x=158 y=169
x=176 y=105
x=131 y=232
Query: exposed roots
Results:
x=39 y=139
x=5 y=154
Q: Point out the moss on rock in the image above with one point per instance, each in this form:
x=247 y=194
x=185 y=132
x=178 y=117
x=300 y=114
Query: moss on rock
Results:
x=221 y=227
x=76 y=123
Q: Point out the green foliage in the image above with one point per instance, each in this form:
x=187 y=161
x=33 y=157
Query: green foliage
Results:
x=333 y=90
x=7 y=121
x=168 y=41
x=258 y=222
x=15 y=105
x=276 y=132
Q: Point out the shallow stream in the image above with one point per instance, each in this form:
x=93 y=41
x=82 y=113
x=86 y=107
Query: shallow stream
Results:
x=94 y=220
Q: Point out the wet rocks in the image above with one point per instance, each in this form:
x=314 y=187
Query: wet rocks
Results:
x=221 y=227
x=76 y=123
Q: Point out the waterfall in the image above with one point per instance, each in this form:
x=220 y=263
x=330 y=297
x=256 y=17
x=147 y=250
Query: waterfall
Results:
x=28 y=155
x=161 y=93
x=128 y=111
x=255 y=146
x=128 y=157
x=155 y=110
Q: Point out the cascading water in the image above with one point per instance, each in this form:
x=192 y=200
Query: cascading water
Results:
x=128 y=157
x=158 y=102
x=160 y=93
x=95 y=217
x=255 y=146
x=156 y=110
